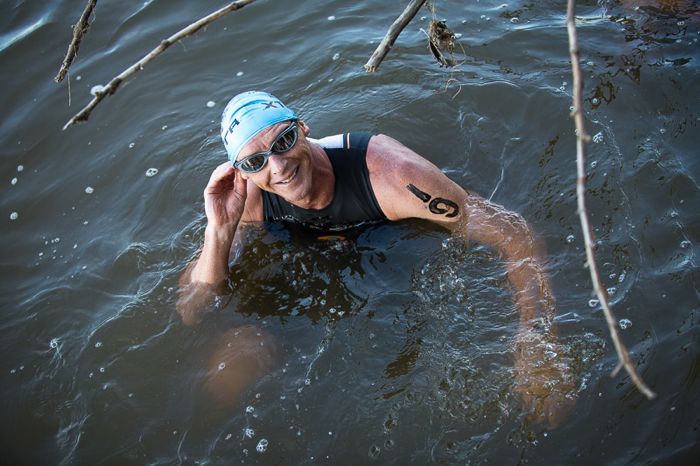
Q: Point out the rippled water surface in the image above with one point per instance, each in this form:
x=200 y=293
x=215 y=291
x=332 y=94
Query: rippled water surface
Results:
x=396 y=345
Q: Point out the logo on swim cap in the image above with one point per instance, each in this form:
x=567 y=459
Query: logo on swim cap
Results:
x=246 y=115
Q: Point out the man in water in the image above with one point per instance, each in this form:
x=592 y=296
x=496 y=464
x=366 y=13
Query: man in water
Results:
x=277 y=173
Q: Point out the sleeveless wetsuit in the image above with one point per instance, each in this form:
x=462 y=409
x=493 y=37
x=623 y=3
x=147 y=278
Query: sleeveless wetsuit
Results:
x=353 y=201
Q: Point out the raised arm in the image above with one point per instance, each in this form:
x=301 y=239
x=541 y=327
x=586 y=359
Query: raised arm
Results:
x=224 y=202
x=408 y=186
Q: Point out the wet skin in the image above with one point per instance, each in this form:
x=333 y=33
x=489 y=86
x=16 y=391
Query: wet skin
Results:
x=405 y=185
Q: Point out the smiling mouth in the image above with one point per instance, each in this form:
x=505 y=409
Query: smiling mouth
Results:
x=291 y=177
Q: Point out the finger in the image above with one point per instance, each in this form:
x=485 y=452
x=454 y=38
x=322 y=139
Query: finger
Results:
x=240 y=184
x=222 y=171
x=221 y=174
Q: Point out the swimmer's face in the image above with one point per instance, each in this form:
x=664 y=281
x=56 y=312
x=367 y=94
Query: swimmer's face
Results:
x=287 y=174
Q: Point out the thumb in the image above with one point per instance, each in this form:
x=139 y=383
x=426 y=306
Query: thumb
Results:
x=240 y=185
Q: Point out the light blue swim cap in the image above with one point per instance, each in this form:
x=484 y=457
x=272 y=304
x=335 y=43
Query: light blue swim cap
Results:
x=246 y=115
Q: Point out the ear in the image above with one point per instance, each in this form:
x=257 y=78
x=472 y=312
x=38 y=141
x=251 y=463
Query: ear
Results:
x=243 y=174
x=304 y=127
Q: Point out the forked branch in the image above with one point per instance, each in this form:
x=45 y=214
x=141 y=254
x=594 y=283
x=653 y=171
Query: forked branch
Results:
x=113 y=85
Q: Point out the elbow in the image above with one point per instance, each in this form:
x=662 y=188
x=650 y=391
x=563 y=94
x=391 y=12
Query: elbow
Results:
x=520 y=241
x=193 y=301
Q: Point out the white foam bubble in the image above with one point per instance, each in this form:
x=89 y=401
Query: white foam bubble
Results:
x=250 y=433
x=331 y=18
x=685 y=244
x=593 y=303
x=261 y=447
x=222 y=366
x=336 y=56
x=151 y=172
x=598 y=137
x=211 y=104
x=14 y=216
x=625 y=324
x=20 y=168
x=131 y=145
x=89 y=190
x=570 y=238
x=239 y=74
x=13 y=181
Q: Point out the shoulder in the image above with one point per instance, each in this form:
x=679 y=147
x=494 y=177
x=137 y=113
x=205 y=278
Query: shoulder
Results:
x=407 y=185
x=387 y=156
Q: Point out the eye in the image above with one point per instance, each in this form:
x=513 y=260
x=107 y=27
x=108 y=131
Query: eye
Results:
x=285 y=141
x=253 y=163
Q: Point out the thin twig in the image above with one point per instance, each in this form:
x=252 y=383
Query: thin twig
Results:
x=79 y=30
x=581 y=140
x=112 y=86
x=401 y=22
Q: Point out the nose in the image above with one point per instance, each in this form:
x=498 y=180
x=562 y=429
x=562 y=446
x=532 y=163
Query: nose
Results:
x=277 y=163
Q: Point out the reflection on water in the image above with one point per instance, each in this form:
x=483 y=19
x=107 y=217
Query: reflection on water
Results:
x=394 y=345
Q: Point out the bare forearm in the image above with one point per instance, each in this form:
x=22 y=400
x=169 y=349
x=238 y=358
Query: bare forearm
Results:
x=212 y=265
x=531 y=291
x=542 y=375
x=198 y=283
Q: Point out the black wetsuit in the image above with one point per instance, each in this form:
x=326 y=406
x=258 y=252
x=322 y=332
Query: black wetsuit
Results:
x=353 y=201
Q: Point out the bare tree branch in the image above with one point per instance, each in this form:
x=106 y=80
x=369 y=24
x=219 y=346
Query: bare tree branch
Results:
x=112 y=86
x=79 y=30
x=581 y=140
x=401 y=22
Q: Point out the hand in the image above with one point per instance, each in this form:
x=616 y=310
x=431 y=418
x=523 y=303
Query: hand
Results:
x=224 y=196
x=544 y=381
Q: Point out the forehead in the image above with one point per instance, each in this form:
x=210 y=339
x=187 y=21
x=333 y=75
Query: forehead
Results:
x=263 y=140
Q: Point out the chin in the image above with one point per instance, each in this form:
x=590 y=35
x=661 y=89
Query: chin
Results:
x=293 y=194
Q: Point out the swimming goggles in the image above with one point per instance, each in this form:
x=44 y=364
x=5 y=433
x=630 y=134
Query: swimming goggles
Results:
x=286 y=140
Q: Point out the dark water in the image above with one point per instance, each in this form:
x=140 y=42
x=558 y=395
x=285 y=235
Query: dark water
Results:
x=396 y=346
